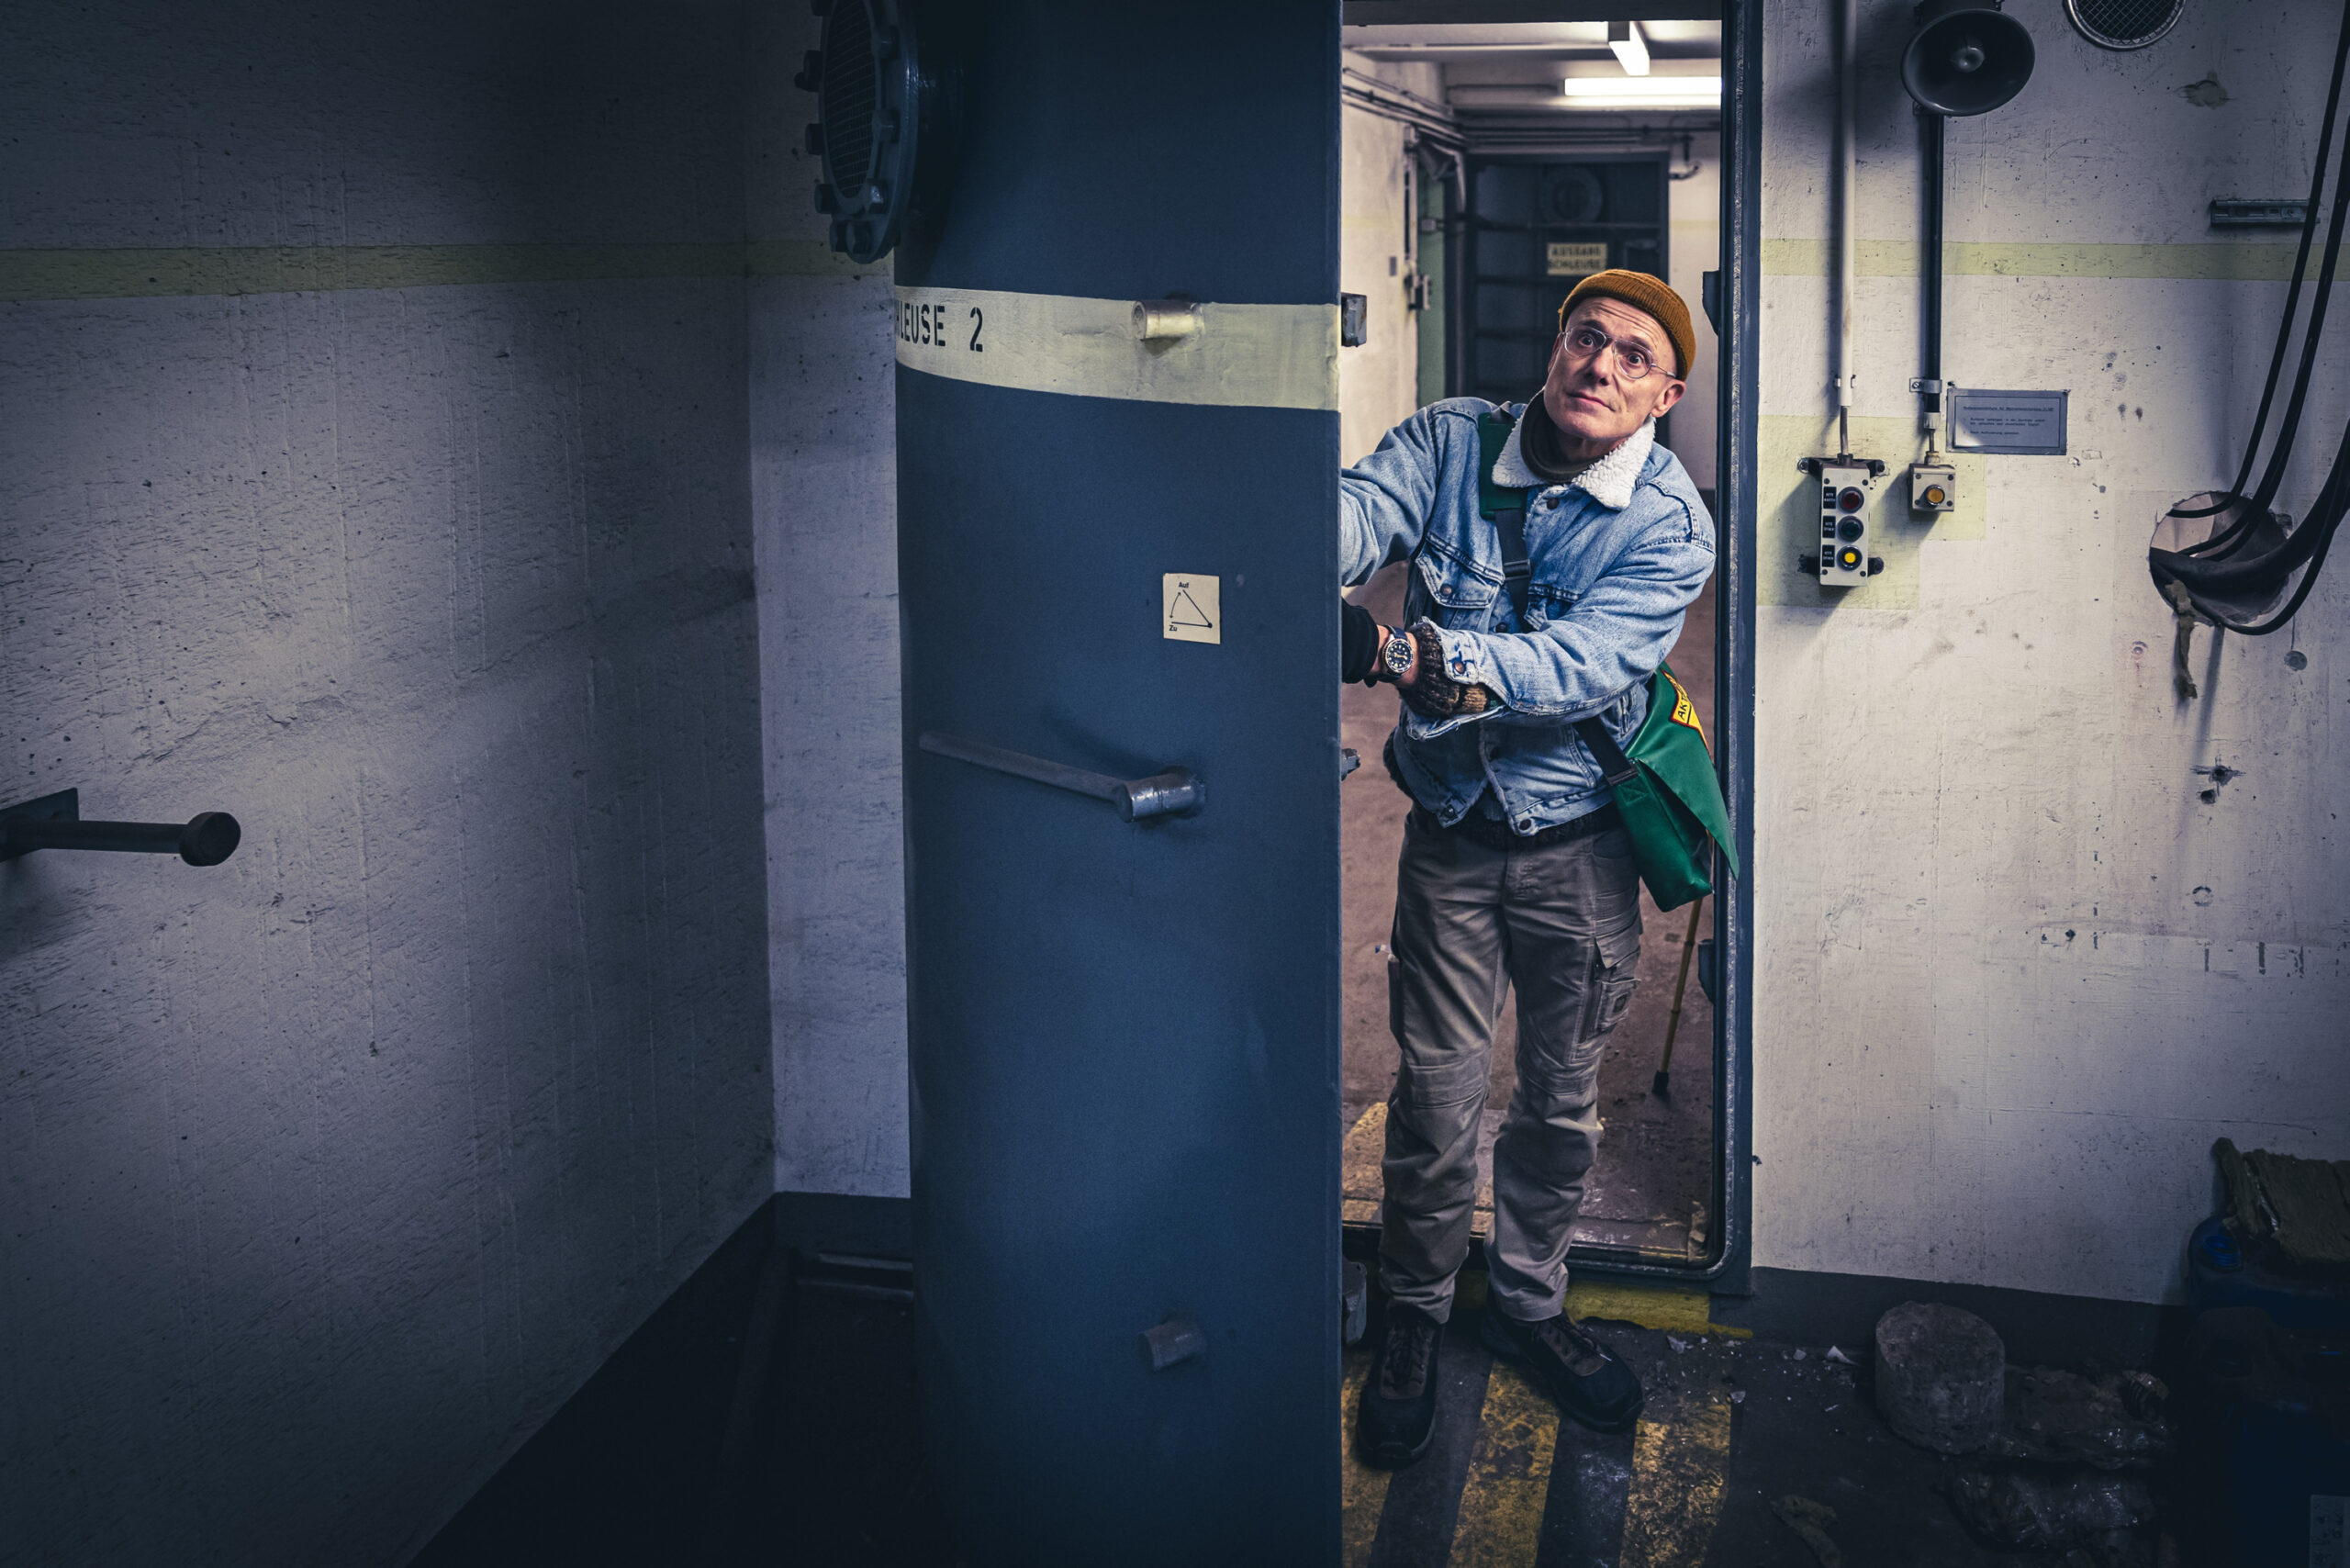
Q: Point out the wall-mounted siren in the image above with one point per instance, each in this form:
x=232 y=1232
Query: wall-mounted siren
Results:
x=1968 y=57
x=887 y=98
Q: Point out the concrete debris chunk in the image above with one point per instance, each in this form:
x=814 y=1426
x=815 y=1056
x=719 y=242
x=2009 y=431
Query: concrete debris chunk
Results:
x=2025 y=1512
x=1939 y=1376
x=2114 y=1421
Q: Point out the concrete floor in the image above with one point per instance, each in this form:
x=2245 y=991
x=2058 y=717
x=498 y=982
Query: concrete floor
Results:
x=690 y=1448
x=1651 y=1186
x=1732 y=1426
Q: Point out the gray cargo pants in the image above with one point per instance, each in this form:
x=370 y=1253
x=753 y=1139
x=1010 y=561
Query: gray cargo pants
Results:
x=1562 y=925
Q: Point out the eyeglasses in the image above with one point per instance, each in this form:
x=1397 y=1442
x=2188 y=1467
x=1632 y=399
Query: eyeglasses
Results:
x=1633 y=359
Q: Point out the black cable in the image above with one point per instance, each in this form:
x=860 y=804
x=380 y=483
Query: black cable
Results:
x=2325 y=520
x=2292 y=306
x=2212 y=567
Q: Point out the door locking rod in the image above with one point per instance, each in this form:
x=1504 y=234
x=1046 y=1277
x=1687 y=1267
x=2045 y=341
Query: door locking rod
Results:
x=54 y=822
x=1177 y=791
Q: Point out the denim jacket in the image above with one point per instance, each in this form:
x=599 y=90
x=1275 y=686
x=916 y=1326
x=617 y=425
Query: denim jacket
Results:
x=1616 y=556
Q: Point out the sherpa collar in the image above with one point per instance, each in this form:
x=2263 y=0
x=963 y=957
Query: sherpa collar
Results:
x=1608 y=481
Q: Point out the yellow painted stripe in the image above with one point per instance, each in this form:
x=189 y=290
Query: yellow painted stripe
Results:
x=1362 y=1491
x=1509 y=1476
x=1259 y=356
x=1681 y=1309
x=1677 y=1483
x=2252 y=262
x=135 y=273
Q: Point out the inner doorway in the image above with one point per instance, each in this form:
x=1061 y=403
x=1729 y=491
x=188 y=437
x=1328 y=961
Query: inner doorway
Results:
x=1475 y=190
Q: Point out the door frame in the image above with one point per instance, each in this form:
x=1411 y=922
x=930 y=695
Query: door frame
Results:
x=1737 y=431
x=1738 y=427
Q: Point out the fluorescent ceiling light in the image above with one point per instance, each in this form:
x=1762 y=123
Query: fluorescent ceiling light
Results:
x=1643 y=92
x=1630 y=48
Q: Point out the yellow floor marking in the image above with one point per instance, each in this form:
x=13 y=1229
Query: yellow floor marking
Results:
x=1509 y=1476
x=1677 y=1493
x=1361 y=1185
x=1680 y=1310
x=1362 y=1491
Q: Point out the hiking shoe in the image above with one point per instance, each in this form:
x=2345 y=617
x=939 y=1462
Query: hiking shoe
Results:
x=1396 y=1415
x=1587 y=1378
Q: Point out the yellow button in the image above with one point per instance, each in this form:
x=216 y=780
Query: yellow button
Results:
x=1933 y=495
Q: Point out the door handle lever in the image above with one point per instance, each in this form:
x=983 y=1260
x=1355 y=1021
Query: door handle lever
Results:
x=54 y=822
x=1177 y=791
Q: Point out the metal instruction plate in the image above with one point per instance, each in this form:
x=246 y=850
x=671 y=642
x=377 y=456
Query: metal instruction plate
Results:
x=2010 y=424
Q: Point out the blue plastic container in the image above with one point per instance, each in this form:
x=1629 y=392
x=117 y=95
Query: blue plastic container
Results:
x=2220 y=1274
x=2269 y=1446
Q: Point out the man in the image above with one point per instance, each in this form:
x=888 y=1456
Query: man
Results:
x=1514 y=866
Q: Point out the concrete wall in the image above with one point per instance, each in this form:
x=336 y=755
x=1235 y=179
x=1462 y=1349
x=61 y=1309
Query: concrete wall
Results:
x=1694 y=248
x=2016 y=968
x=1378 y=381
x=329 y=1172
x=824 y=510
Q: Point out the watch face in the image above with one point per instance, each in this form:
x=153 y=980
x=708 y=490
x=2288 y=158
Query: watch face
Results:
x=1398 y=655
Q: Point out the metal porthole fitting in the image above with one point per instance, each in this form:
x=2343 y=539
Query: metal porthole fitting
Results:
x=885 y=110
x=2124 y=23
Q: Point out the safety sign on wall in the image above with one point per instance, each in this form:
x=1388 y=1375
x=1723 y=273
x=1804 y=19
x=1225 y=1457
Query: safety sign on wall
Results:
x=1192 y=608
x=1574 y=258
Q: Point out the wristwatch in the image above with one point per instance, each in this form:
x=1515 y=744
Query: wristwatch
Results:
x=1395 y=653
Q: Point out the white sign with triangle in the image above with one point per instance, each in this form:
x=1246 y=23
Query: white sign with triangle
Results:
x=1193 y=610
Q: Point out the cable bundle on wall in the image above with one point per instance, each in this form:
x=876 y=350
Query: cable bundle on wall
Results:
x=2231 y=579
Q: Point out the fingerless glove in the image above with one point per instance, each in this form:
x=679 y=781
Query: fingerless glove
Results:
x=1433 y=694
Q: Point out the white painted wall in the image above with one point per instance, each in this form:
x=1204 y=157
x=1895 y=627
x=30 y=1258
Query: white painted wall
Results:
x=329 y=1172
x=1693 y=248
x=2013 y=975
x=824 y=510
x=1378 y=381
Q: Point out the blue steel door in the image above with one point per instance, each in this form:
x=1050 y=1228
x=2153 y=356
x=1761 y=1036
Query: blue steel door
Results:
x=1117 y=555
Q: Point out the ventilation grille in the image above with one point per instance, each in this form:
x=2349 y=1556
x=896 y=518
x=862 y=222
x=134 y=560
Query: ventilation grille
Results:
x=851 y=88
x=2124 y=23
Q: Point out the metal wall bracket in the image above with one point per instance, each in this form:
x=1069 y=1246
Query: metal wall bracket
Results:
x=66 y=806
x=2229 y=212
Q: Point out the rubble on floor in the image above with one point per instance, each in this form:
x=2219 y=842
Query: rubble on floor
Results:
x=2055 y=1461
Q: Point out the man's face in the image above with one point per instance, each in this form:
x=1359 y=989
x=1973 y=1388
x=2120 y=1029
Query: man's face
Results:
x=1589 y=395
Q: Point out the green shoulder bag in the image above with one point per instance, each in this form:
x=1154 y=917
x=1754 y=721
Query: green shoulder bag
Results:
x=1663 y=784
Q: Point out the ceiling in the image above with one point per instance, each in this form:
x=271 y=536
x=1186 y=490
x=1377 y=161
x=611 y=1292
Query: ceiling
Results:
x=1532 y=41
x=1484 y=72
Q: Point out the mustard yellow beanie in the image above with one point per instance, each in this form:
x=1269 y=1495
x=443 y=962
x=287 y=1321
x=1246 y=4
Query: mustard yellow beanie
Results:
x=1642 y=291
